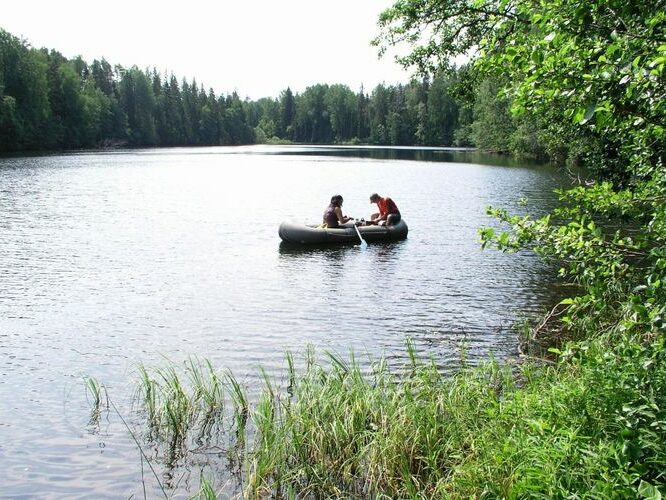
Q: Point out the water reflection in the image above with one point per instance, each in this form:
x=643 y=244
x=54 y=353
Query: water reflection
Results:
x=385 y=255
x=294 y=249
x=425 y=154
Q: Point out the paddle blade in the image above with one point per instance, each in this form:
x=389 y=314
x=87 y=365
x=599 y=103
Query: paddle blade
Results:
x=363 y=243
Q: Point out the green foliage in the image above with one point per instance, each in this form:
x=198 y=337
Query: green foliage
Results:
x=588 y=78
x=592 y=425
x=24 y=109
x=493 y=124
x=138 y=101
x=595 y=72
x=47 y=102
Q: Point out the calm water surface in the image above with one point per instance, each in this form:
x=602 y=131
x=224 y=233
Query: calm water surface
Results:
x=111 y=259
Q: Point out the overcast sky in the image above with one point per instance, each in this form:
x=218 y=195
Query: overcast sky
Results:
x=257 y=47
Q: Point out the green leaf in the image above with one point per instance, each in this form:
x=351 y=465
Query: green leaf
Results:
x=646 y=490
x=589 y=113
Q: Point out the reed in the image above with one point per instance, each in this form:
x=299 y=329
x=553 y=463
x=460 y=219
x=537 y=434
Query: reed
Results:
x=207 y=389
x=347 y=429
x=148 y=394
x=240 y=403
x=94 y=394
x=291 y=370
x=206 y=490
x=178 y=409
x=345 y=432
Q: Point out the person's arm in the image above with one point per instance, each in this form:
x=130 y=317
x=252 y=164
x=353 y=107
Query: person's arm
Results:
x=376 y=215
x=341 y=218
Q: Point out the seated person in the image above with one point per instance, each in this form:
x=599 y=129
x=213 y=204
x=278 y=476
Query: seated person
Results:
x=388 y=210
x=333 y=215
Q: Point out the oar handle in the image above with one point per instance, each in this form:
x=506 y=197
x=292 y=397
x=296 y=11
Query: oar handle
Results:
x=359 y=235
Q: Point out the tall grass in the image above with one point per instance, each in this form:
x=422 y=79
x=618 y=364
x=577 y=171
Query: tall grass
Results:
x=348 y=433
x=175 y=403
x=591 y=425
x=585 y=427
x=240 y=402
x=95 y=398
x=206 y=490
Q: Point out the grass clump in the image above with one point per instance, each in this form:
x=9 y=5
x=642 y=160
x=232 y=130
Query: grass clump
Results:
x=591 y=424
x=97 y=398
x=176 y=403
x=595 y=424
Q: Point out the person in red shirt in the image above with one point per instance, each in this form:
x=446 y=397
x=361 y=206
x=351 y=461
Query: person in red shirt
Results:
x=388 y=210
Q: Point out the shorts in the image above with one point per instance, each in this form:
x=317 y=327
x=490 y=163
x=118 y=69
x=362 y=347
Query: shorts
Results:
x=393 y=218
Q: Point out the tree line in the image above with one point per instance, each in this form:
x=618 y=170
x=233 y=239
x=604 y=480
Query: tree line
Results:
x=49 y=102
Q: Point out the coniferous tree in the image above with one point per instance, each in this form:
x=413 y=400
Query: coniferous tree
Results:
x=48 y=101
x=379 y=110
x=442 y=113
x=137 y=99
x=362 y=132
x=210 y=121
x=493 y=124
x=102 y=75
x=287 y=114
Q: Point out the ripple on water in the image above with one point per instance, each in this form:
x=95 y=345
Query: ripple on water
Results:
x=113 y=259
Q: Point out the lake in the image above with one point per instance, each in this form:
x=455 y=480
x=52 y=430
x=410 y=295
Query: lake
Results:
x=111 y=259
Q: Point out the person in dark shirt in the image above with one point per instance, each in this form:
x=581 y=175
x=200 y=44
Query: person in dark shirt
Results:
x=333 y=215
x=388 y=210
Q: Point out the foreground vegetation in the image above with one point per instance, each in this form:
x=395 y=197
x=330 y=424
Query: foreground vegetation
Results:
x=592 y=76
x=591 y=424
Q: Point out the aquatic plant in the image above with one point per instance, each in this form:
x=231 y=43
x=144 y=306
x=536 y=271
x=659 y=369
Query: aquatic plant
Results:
x=95 y=398
x=589 y=422
x=207 y=386
x=240 y=402
x=206 y=490
x=94 y=391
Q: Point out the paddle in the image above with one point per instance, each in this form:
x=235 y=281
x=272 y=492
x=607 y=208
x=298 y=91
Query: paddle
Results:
x=363 y=243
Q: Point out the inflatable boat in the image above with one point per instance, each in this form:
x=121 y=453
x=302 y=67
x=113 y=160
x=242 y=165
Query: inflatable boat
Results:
x=305 y=234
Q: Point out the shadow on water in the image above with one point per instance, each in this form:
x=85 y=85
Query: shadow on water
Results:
x=375 y=261
x=382 y=251
x=452 y=155
x=294 y=249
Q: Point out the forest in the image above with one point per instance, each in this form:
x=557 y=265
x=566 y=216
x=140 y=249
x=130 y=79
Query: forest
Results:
x=49 y=102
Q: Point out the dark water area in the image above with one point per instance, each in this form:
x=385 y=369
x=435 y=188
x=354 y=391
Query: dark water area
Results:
x=111 y=259
x=435 y=154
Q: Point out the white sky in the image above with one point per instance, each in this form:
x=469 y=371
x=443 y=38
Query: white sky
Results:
x=257 y=47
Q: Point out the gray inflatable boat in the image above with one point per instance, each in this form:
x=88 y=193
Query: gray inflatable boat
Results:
x=305 y=234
